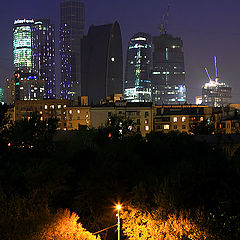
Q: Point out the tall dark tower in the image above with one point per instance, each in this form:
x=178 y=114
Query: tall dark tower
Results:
x=43 y=55
x=102 y=62
x=168 y=74
x=137 y=85
x=72 y=21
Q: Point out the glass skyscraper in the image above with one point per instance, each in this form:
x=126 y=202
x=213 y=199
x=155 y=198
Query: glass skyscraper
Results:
x=22 y=43
x=102 y=62
x=137 y=85
x=72 y=22
x=168 y=73
x=43 y=55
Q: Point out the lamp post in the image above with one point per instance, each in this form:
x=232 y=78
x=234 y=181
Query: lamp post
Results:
x=118 y=207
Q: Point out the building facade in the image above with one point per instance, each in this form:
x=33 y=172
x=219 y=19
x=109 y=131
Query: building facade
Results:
x=168 y=73
x=140 y=113
x=22 y=43
x=216 y=94
x=137 y=85
x=102 y=62
x=72 y=22
x=43 y=55
x=1 y=96
x=27 y=86
x=45 y=108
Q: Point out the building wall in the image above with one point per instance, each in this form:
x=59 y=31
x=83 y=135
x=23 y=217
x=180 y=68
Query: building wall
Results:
x=102 y=62
x=168 y=73
x=78 y=116
x=43 y=57
x=142 y=116
x=45 y=108
x=72 y=24
x=137 y=85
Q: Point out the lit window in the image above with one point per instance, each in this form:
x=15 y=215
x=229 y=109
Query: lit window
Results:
x=147 y=128
x=70 y=111
x=59 y=106
x=184 y=119
x=166 y=127
x=87 y=116
x=112 y=59
x=201 y=119
x=52 y=106
x=45 y=106
x=64 y=106
x=175 y=119
x=78 y=111
x=146 y=121
x=40 y=112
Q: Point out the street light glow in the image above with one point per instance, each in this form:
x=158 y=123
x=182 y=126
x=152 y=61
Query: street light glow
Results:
x=118 y=207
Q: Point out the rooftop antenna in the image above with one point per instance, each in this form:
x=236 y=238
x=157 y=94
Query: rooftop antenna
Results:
x=208 y=74
x=216 y=70
x=164 y=24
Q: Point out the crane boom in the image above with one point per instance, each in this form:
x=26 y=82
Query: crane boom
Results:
x=208 y=74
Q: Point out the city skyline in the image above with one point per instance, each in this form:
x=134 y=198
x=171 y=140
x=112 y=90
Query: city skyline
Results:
x=203 y=33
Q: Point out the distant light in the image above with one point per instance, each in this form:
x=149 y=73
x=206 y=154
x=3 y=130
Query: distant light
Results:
x=112 y=59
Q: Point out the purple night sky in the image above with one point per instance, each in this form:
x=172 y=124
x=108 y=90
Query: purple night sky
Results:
x=207 y=28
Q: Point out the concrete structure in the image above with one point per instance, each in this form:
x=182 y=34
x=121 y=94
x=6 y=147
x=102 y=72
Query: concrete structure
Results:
x=27 y=86
x=72 y=23
x=168 y=74
x=102 y=62
x=180 y=117
x=45 y=108
x=137 y=84
x=43 y=55
x=77 y=117
x=140 y=113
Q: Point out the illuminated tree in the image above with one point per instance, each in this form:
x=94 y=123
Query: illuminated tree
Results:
x=64 y=226
x=145 y=225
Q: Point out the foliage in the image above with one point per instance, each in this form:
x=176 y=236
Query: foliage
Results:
x=64 y=226
x=202 y=128
x=144 y=225
x=32 y=133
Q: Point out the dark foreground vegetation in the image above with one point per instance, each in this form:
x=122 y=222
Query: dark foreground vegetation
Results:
x=162 y=175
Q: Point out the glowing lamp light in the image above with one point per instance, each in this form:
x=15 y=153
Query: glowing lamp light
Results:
x=118 y=207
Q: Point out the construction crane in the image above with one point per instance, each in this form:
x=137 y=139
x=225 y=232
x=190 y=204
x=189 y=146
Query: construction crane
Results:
x=210 y=80
x=164 y=24
x=216 y=71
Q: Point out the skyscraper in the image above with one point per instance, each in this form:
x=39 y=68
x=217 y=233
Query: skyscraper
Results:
x=22 y=43
x=72 y=22
x=43 y=55
x=137 y=85
x=214 y=92
x=1 y=96
x=102 y=62
x=168 y=74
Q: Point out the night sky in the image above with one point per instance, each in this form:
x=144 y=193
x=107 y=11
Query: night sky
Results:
x=207 y=28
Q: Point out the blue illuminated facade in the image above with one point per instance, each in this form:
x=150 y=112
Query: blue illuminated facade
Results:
x=168 y=72
x=43 y=55
x=137 y=84
x=72 y=22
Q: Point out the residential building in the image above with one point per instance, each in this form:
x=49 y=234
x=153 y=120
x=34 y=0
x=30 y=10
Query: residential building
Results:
x=43 y=55
x=140 y=113
x=180 y=117
x=168 y=73
x=102 y=62
x=45 y=108
x=72 y=22
x=77 y=117
x=137 y=85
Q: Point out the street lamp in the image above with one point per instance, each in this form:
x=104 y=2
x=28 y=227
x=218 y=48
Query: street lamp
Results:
x=118 y=207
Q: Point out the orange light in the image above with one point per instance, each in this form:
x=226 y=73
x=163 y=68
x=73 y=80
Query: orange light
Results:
x=118 y=207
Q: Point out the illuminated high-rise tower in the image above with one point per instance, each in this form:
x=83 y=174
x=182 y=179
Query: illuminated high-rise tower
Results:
x=72 y=21
x=22 y=43
x=137 y=85
x=43 y=55
x=168 y=74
